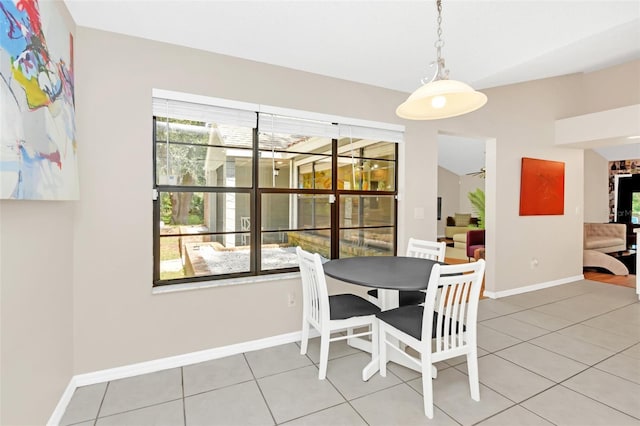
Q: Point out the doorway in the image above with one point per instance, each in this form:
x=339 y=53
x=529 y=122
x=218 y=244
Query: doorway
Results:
x=461 y=171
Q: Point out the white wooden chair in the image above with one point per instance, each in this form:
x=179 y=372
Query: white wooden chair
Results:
x=416 y=248
x=445 y=327
x=330 y=314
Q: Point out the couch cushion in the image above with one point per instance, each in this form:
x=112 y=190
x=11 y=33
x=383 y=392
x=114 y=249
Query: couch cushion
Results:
x=462 y=219
x=461 y=238
x=594 y=242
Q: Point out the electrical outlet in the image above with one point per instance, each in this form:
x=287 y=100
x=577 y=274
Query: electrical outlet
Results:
x=534 y=263
x=291 y=299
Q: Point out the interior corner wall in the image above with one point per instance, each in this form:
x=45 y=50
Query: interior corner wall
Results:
x=117 y=320
x=36 y=300
x=36 y=323
x=449 y=190
x=596 y=187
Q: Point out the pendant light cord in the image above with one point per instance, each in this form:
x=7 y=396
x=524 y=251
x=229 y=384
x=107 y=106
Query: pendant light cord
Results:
x=441 y=72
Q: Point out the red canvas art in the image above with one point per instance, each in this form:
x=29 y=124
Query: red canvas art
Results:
x=541 y=187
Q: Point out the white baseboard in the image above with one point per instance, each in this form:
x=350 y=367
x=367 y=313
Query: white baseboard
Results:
x=166 y=363
x=526 y=289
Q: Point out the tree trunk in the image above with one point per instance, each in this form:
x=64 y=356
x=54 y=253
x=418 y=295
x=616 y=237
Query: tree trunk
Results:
x=181 y=203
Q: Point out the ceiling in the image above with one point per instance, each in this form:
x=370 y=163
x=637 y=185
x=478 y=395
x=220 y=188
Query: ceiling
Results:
x=389 y=44
x=460 y=155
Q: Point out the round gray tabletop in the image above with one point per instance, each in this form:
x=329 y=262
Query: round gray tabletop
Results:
x=389 y=272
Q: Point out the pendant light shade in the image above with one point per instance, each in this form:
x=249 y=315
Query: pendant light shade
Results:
x=441 y=99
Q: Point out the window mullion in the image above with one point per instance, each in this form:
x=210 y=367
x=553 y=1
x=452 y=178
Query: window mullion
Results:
x=255 y=254
x=335 y=207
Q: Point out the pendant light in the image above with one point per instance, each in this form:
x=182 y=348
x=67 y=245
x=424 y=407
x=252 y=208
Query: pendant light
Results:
x=440 y=97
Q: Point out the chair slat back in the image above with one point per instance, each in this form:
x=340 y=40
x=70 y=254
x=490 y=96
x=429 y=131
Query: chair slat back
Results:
x=426 y=249
x=453 y=293
x=315 y=295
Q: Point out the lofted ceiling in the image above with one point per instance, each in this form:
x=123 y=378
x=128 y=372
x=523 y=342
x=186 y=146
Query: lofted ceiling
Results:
x=460 y=155
x=619 y=152
x=389 y=44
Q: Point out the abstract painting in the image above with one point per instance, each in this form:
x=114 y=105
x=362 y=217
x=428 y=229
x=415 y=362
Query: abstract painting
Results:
x=37 y=110
x=541 y=187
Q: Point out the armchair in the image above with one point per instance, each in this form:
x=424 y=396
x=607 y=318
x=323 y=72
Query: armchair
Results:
x=475 y=240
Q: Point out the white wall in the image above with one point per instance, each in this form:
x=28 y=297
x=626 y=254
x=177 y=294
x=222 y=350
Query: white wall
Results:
x=449 y=190
x=596 y=187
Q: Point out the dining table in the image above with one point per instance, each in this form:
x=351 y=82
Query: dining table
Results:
x=389 y=275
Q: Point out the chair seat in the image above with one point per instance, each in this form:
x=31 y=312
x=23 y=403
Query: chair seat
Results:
x=343 y=306
x=406 y=298
x=408 y=319
x=475 y=247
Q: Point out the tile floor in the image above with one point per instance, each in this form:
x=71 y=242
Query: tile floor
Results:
x=568 y=355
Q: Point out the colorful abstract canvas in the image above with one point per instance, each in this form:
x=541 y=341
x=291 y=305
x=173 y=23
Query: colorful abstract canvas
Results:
x=37 y=112
x=541 y=187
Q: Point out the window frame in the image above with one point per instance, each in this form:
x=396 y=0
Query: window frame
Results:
x=256 y=194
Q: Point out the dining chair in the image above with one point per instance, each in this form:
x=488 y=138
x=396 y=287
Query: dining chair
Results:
x=330 y=314
x=416 y=248
x=444 y=328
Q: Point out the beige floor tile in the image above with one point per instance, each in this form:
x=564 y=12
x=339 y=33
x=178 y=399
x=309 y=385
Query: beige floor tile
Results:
x=167 y=414
x=298 y=393
x=508 y=379
x=215 y=374
x=611 y=390
x=240 y=404
x=563 y=406
x=515 y=416
x=340 y=415
x=451 y=394
x=541 y=361
x=142 y=391
x=84 y=404
x=276 y=360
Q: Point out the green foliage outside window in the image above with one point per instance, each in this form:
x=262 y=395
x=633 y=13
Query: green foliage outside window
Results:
x=185 y=162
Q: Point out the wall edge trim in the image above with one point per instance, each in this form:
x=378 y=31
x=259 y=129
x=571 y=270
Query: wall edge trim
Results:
x=533 y=287
x=155 y=365
x=61 y=407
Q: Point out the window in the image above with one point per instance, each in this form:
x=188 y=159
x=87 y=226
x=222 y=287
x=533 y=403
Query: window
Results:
x=237 y=190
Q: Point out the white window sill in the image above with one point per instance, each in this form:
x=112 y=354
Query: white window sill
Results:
x=173 y=288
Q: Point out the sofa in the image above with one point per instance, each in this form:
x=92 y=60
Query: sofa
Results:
x=605 y=237
x=460 y=223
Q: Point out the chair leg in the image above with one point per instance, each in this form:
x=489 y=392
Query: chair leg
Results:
x=324 y=354
x=305 y=337
x=472 y=367
x=349 y=333
x=427 y=385
x=375 y=335
x=372 y=367
x=382 y=349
